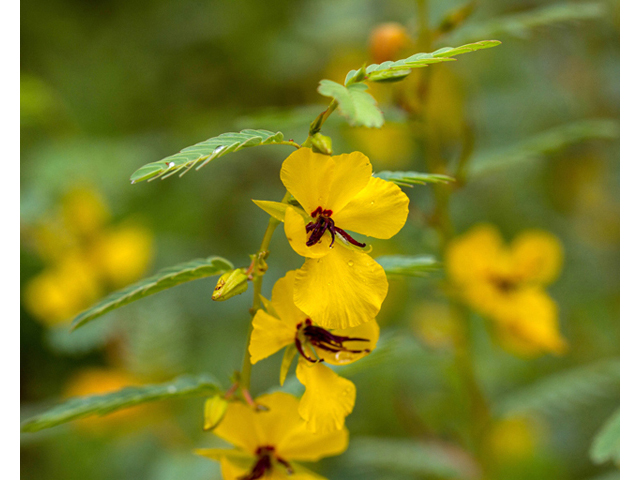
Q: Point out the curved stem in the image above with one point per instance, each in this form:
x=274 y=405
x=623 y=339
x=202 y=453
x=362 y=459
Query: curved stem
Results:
x=259 y=269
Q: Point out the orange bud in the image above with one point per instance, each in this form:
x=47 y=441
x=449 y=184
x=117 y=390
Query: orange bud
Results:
x=387 y=40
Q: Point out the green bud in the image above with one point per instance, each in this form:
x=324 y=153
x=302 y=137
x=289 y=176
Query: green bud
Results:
x=321 y=144
x=230 y=284
x=214 y=411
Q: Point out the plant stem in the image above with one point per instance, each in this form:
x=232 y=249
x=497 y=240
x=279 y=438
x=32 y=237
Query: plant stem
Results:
x=258 y=271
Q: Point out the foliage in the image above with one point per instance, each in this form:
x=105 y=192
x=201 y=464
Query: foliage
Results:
x=167 y=278
x=606 y=444
x=81 y=407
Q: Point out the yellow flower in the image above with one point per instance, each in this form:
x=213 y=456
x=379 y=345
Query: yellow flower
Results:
x=507 y=285
x=269 y=442
x=339 y=287
x=328 y=398
x=58 y=293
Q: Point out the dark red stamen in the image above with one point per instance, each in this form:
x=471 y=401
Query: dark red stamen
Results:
x=320 y=338
x=324 y=223
x=264 y=463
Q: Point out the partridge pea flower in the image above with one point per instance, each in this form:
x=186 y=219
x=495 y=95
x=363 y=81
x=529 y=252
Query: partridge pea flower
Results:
x=339 y=285
x=328 y=398
x=507 y=285
x=268 y=443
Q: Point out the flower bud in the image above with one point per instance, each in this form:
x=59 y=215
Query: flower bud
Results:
x=387 y=41
x=321 y=144
x=230 y=284
x=214 y=411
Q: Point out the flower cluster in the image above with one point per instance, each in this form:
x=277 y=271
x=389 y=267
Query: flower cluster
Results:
x=324 y=313
x=507 y=285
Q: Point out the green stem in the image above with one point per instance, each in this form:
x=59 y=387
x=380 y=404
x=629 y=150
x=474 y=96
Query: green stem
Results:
x=316 y=125
x=258 y=271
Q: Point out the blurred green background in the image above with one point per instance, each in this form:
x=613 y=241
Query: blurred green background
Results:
x=108 y=86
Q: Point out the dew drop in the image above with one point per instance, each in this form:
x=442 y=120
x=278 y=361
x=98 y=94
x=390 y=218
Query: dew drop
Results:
x=372 y=202
x=132 y=182
x=350 y=263
x=172 y=389
x=219 y=148
x=172 y=164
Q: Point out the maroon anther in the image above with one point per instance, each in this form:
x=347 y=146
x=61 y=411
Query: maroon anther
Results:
x=325 y=340
x=324 y=223
x=264 y=463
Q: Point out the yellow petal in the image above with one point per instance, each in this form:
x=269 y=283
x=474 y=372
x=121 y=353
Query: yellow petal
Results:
x=240 y=427
x=234 y=468
x=328 y=398
x=219 y=453
x=474 y=255
x=294 y=229
x=537 y=256
x=528 y=325
x=269 y=335
x=282 y=301
x=369 y=330
x=317 y=180
x=351 y=174
x=342 y=289
x=307 y=176
x=380 y=210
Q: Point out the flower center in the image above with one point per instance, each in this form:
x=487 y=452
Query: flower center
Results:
x=320 y=338
x=264 y=464
x=323 y=223
x=504 y=284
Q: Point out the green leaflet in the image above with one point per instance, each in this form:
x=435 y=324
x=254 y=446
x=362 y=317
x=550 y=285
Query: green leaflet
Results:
x=357 y=106
x=167 y=278
x=562 y=392
x=606 y=444
x=522 y=24
x=206 y=151
x=544 y=143
x=394 y=71
x=401 y=456
x=412 y=266
x=407 y=179
x=82 y=407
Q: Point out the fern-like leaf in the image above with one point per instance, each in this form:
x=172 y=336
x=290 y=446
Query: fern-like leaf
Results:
x=206 y=151
x=167 y=278
x=81 y=407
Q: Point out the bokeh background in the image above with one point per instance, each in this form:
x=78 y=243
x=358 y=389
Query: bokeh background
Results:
x=108 y=86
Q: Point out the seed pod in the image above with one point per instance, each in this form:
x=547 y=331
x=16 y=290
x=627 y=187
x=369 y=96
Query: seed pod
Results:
x=230 y=284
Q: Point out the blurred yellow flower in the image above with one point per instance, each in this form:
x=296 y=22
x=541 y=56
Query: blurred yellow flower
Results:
x=512 y=439
x=268 y=443
x=388 y=147
x=61 y=291
x=339 y=287
x=507 y=285
x=328 y=398
x=84 y=212
x=123 y=254
x=85 y=258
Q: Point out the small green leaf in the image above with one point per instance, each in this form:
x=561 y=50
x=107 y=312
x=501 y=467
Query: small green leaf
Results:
x=357 y=106
x=289 y=354
x=394 y=71
x=406 y=179
x=412 y=266
x=167 y=278
x=522 y=24
x=81 y=407
x=564 y=392
x=606 y=444
x=206 y=151
x=544 y=143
